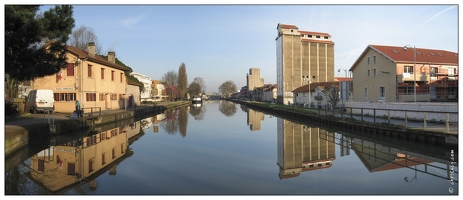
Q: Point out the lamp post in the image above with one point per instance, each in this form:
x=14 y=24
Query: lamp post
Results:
x=414 y=70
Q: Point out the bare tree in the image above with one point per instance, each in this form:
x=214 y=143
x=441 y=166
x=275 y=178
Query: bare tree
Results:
x=194 y=89
x=201 y=83
x=81 y=36
x=227 y=88
x=170 y=78
x=332 y=95
x=182 y=81
x=197 y=86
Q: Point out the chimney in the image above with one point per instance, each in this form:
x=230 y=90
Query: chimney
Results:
x=112 y=57
x=91 y=49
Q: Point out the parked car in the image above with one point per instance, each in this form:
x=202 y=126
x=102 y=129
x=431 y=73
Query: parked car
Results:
x=40 y=100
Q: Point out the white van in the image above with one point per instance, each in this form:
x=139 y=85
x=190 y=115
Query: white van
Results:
x=40 y=100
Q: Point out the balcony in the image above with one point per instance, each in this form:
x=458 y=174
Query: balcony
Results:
x=406 y=77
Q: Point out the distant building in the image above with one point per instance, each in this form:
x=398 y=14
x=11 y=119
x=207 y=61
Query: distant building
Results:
x=388 y=74
x=302 y=57
x=146 y=93
x=158 y=90
x=253 y=80
x=266 y=93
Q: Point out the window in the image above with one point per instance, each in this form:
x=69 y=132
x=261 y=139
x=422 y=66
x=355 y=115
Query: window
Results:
x=434 y=71
x=302 y=35
x=103 y=161
x=90 y=96
x=382 y=93
x=368 y=60
x=112 y=75
x=89 y=71
x=317 y=36
x=102 y=73
x=114 y=153
x=368 y=73
x=121 y=97
x=309 y=36
x=408 y=69
x=409 y=91
x=64 y=96
x=121 y=77
x=326 y=37
x=366 y=94
x=451 y=71
x=70 y=69
x=122 y=148
x=101 y=96
x=374 y=72
x=374 y=59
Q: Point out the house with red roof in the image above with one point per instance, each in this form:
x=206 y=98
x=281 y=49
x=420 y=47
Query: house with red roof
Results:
x=97 y=82
x=401 y=74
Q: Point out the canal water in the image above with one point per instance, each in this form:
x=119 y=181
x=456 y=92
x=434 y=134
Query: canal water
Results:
x=223 y=148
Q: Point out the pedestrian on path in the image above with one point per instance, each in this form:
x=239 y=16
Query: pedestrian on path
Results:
x=78 y=111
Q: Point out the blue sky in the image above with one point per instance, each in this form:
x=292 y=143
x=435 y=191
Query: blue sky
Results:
x=222 y=42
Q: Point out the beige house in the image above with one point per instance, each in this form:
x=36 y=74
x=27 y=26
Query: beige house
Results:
x=389 y=74
x=96 y=82
x=302 y=57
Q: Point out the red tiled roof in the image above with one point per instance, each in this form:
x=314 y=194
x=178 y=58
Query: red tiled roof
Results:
x=343 y=79
x=98 y=59
x=305 y=88
x=314 y=33
x=397 y=54
x=287 y=26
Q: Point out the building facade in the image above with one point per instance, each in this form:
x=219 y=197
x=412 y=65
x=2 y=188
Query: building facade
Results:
x=302 y=57
x=399 y=74
x=93 y=80
x=145 y=95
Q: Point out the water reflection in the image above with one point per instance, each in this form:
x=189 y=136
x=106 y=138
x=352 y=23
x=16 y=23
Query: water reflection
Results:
x=176 y=121
x=197 y=111
x=227 y=108
x=304 y=148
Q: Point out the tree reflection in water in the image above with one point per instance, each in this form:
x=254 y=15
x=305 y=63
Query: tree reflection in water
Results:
x=183 y=120
x=198 y=112
x=227 y=108
x=170 y=125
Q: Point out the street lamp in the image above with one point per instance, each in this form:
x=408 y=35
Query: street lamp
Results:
x=414 y=70
x=339 y=70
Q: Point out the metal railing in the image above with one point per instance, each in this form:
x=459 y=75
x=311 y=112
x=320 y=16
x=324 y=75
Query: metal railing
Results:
x=92 y=111
x=407 y=118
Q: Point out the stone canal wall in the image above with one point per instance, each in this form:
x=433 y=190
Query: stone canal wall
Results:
x=18 y=137
x=430 y=137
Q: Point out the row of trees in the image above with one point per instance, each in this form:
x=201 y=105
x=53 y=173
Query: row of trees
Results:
x=177 y=84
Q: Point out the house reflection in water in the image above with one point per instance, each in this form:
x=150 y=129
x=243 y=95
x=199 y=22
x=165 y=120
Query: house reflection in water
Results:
x=376 y=157
x=302 y=148
x=61 y=167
